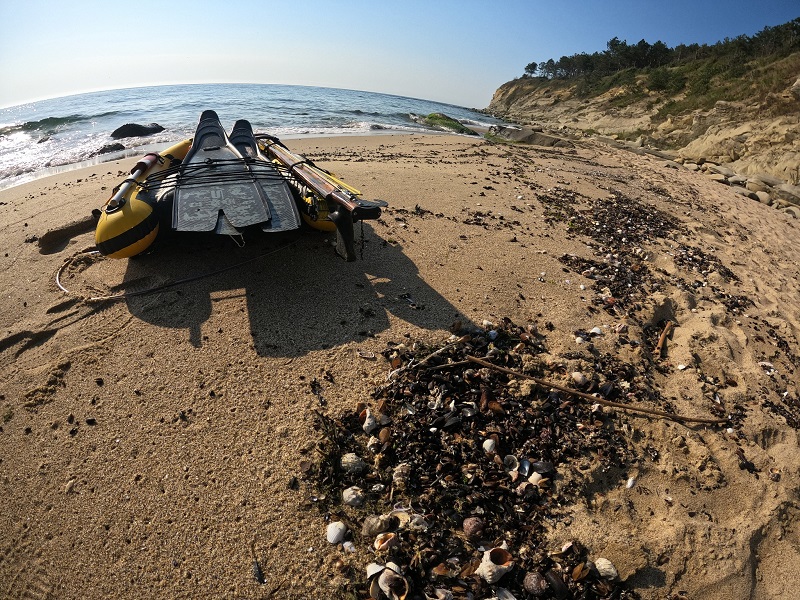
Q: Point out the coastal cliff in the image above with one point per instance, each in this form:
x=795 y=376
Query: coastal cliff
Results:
x=752 y=127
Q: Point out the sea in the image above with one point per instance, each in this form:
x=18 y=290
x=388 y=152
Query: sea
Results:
x=48 y=136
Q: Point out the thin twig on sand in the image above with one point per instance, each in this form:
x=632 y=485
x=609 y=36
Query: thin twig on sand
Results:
x=595 y=399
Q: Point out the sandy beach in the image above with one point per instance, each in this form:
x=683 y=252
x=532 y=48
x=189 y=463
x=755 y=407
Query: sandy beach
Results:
x=154 y=446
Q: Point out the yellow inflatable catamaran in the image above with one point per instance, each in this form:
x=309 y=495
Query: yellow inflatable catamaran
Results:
x=228 y=185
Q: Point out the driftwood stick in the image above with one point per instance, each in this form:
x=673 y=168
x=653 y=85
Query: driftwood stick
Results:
x=590 y=398
x=451 y=365
x=415 y=365
x=663 y=339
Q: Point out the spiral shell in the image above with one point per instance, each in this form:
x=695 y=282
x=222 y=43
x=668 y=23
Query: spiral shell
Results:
x=494 y=564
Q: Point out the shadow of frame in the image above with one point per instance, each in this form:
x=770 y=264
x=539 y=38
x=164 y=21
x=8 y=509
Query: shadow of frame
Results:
x=300 y=295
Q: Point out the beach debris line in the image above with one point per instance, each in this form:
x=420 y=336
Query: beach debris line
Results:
x=463 y=461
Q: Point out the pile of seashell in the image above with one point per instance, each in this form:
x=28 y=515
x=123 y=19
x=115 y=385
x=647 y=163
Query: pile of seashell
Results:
x=448 y=478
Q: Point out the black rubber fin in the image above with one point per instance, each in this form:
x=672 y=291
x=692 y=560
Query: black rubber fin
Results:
x=284 y=215
x=243 y=139
x=213 y=178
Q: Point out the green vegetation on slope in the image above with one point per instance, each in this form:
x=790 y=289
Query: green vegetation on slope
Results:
x=683 y=78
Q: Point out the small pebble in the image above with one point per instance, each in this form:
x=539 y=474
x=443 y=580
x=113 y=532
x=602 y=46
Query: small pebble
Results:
x=606 y=568
x=352 y=463
x=353 y=496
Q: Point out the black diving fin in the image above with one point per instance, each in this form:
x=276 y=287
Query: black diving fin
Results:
x=214 y=189
x=275 y=192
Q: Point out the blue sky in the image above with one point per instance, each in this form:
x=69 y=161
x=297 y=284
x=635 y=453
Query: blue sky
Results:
x=452 y=51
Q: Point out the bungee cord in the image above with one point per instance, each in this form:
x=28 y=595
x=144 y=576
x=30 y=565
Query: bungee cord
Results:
x=157 y=288
x=217 y=171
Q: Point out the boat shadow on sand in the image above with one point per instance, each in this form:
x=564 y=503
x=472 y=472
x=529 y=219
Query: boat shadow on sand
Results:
x=300 y=296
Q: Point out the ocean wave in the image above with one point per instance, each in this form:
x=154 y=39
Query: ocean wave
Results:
x=475 y=123
x=51 y=125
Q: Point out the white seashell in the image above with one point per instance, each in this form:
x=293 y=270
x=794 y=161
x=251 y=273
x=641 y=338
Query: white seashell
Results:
x=535 y=478
x=374 y=569
x=631 y=482
x=488 y=324
x=489 y=446
x=606 y=568
x=494 y=564
x=579 y=340
x=579 y=378
x=353 y=496
x=374 y=445
x=368 y=421
x=336 y=532
x=384 y=541
x=375 y=524
x=349 y=546
x=596 y=331
x=402 y=517
x=393 y=584
x=352 y=463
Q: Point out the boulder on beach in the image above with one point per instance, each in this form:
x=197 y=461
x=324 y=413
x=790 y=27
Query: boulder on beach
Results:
x=136 y=130
x=443 y=122
x=527 y=135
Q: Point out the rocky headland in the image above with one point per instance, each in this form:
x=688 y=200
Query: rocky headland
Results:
x=748 y=145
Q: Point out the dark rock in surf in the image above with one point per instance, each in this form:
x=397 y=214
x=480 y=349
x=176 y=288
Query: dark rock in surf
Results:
x=116 y=147
x=136 y=130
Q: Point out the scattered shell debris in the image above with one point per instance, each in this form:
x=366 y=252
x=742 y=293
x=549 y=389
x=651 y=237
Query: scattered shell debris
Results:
x=465 y=468
x=474 y=469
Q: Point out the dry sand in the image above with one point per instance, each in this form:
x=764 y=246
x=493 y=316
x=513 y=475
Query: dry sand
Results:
x=147 y=445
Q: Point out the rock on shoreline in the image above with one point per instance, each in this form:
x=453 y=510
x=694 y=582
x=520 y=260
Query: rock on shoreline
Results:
x=136 y=130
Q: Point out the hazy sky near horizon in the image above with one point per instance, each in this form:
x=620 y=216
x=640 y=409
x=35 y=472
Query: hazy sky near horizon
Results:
x=453 y=51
